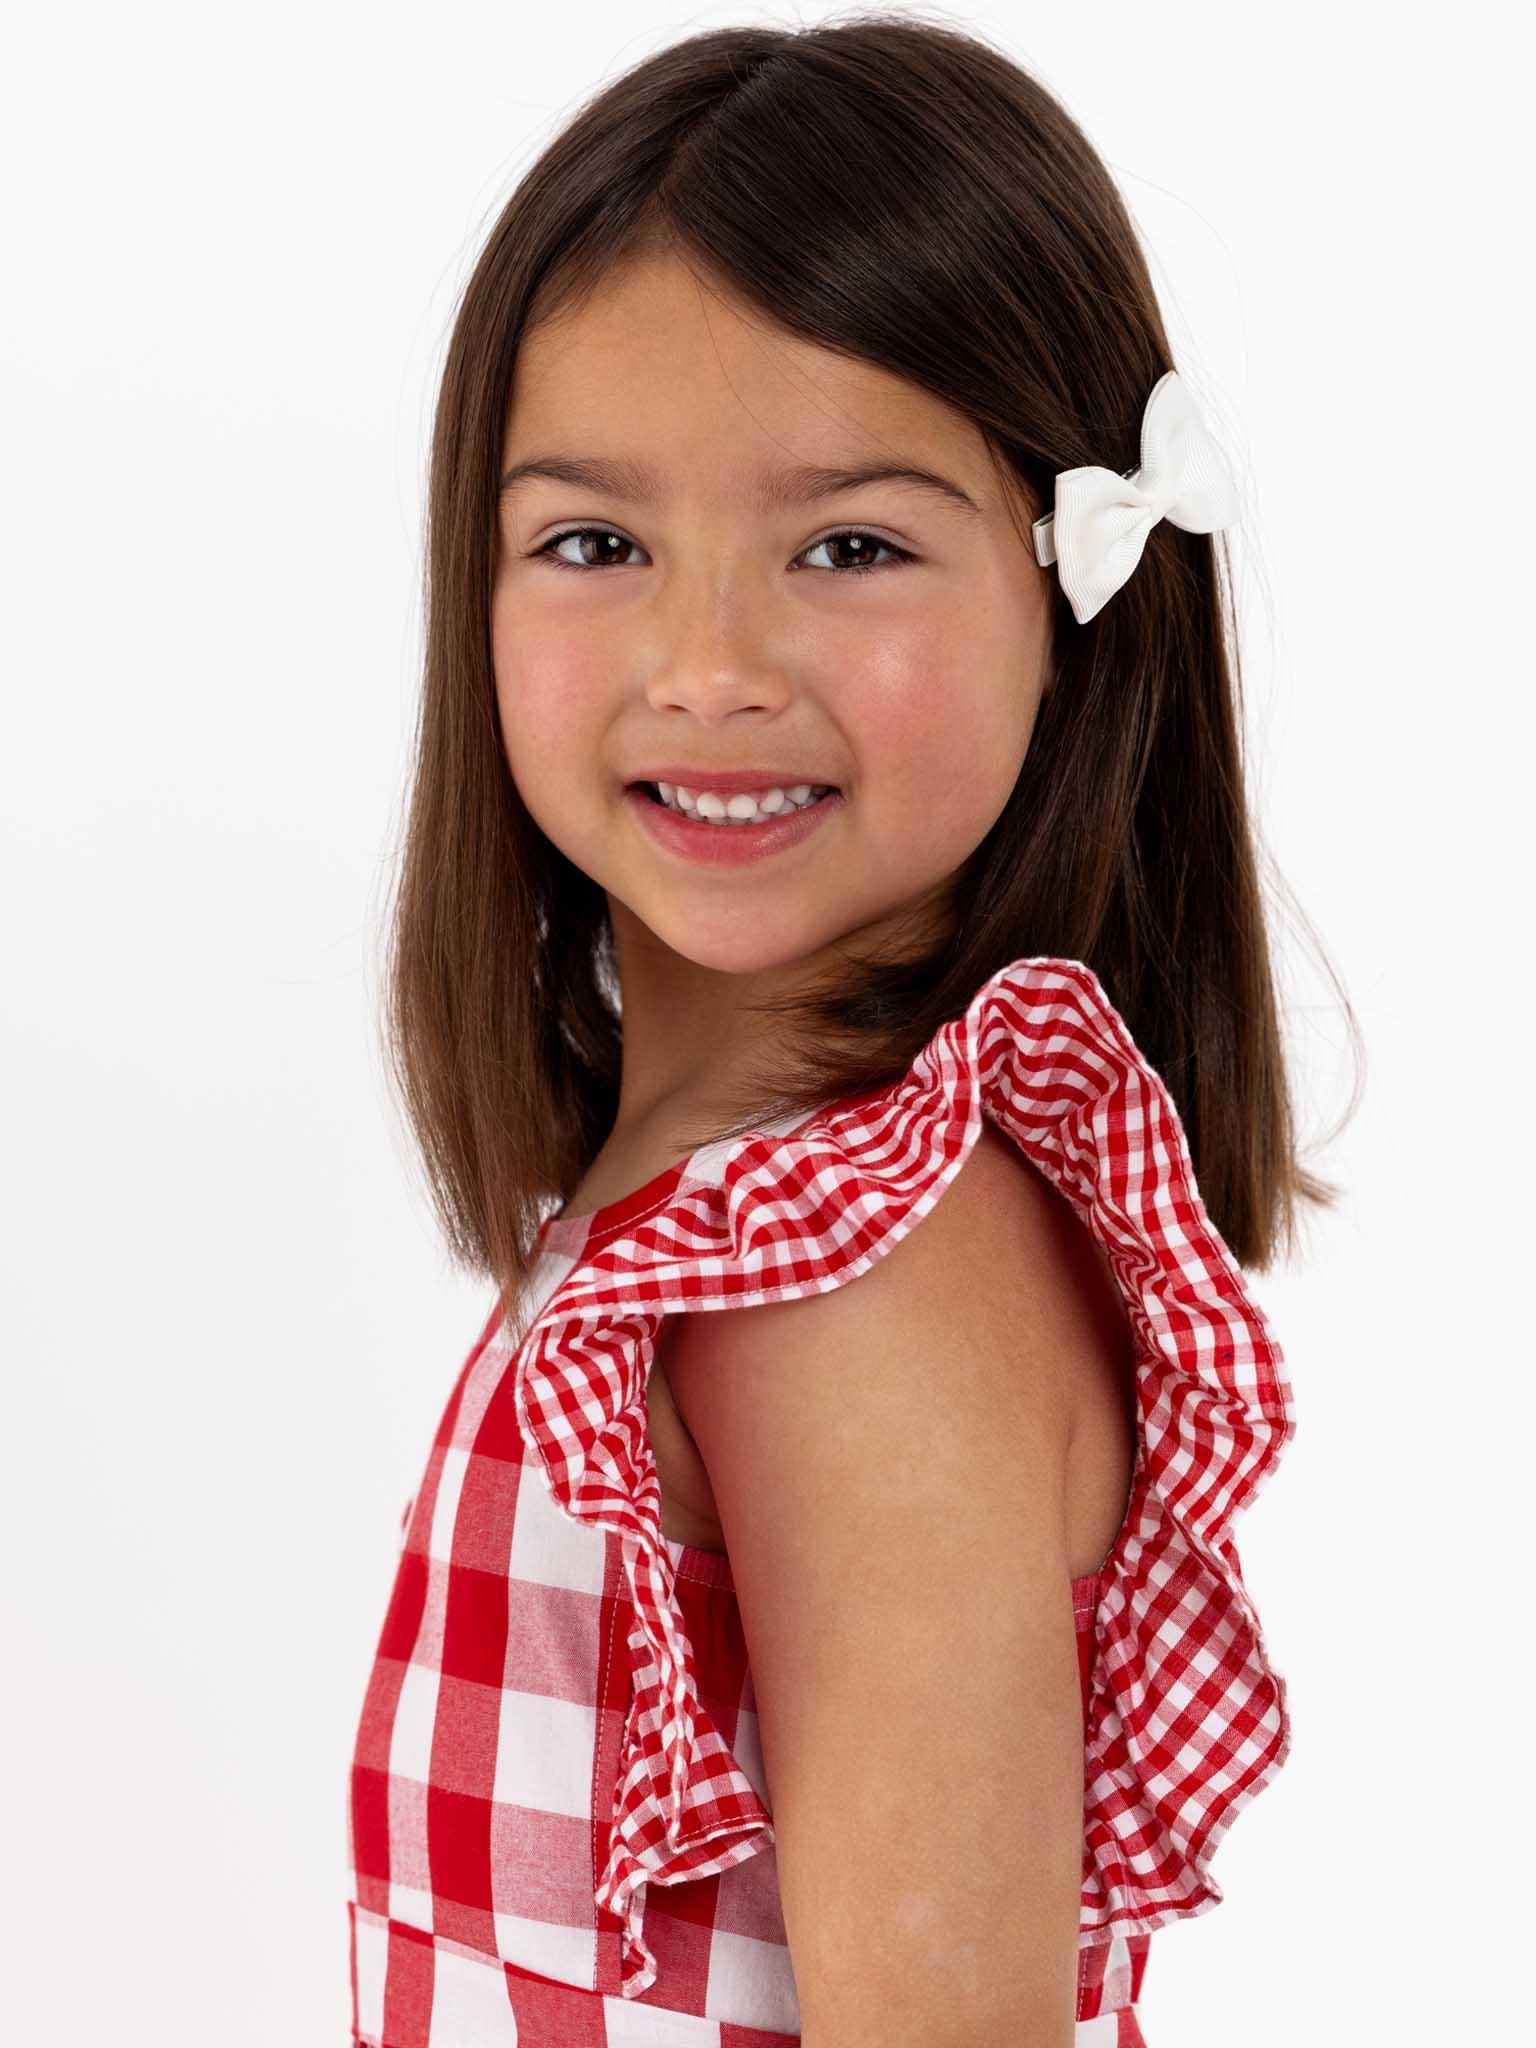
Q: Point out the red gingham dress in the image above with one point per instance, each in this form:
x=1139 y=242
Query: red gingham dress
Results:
x=559 y=1830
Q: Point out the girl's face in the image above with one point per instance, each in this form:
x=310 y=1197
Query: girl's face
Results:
x=700 y=624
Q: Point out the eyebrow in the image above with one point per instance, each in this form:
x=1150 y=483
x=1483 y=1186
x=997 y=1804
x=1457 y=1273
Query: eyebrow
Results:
x=773 y=490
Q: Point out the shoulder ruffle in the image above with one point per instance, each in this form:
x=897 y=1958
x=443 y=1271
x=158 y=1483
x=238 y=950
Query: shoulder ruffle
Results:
x=1187 y=1718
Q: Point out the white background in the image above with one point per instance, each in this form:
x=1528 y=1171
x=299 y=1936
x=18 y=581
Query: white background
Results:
x=233 y=242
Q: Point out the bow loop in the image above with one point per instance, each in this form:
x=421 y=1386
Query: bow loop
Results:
x=1101 y=519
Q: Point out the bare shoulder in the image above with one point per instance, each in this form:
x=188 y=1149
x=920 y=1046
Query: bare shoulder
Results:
x=997 y=1309
x=892 y=1464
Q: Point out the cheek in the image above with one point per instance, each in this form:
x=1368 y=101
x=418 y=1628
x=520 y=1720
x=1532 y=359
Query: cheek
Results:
x=547 y=695
x=943 y=738
x=548 y=749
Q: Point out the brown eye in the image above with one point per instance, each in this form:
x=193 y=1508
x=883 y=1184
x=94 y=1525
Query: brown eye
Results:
x=862 y=547
x=606 y=553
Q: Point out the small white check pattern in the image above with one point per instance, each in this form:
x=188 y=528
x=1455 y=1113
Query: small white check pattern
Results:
x=1187 y=1717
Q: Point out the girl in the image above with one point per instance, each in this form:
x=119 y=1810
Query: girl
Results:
x=828 y=877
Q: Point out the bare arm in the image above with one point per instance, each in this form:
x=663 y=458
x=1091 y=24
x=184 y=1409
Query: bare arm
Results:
x=889 y=1461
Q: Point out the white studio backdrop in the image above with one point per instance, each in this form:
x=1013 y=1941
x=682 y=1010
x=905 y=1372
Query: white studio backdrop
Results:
x=233 y=247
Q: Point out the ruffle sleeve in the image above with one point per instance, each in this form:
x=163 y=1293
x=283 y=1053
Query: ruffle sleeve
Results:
x=1187 y=1718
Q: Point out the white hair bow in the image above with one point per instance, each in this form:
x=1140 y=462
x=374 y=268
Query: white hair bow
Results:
x=1101 y=521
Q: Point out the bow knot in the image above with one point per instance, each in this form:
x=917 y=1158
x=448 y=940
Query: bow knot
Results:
x=1101 y=520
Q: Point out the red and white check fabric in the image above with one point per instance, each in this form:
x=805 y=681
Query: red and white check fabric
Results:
x=560 y=1714
x=441 y=1995
x=473 y=1921
x=1187 y=1719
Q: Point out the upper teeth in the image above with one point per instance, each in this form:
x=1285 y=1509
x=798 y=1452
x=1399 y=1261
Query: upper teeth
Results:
x=745 y=808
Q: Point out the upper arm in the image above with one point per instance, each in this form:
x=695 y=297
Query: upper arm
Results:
x=889 y=1462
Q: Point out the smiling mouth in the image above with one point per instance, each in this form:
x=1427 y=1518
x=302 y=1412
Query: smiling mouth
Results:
x=710 y=807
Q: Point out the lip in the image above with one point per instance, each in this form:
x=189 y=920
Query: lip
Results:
x=727 y=846
x=732 y=781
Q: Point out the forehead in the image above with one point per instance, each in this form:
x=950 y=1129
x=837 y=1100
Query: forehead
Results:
x=669 y=368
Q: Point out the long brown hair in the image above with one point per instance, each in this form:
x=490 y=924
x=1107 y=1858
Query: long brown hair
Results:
x=905 y=193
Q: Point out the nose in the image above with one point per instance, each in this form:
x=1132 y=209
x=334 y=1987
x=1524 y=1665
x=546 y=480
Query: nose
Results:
x=714 y=657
